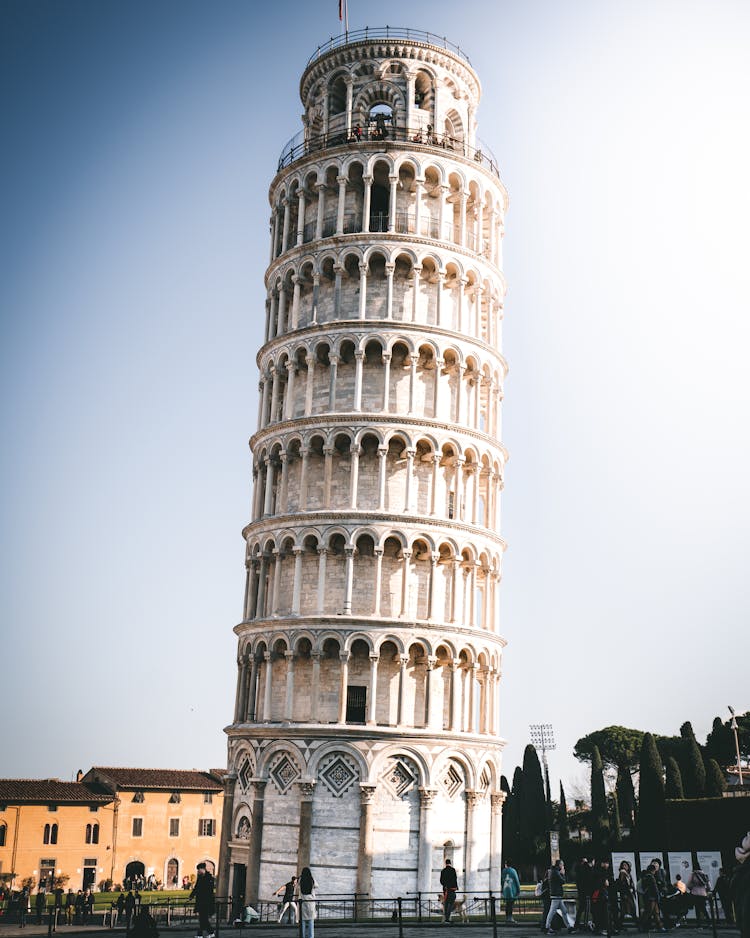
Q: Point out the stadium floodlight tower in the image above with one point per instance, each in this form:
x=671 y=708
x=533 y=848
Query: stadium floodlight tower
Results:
x=365 y=736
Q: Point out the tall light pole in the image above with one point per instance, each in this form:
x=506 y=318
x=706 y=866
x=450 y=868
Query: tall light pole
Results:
x=543 y=737
x=733 y=725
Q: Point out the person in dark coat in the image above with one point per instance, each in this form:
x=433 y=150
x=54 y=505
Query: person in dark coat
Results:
x=582 y=873
x=203 y=893
x=740 y=888
x=449 y=882
x=556 y=884
x=129 y=909
x=723 y=891
x=70 y=906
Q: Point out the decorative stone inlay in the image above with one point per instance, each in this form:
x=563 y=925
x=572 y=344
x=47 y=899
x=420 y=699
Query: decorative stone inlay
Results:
x=399 y=778
x=245 y=773
x=284 y=773
x=338 y=775
x=452 y=781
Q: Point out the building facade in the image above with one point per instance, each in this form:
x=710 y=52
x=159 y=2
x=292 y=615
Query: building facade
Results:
x=112 y=824
x=365 y=736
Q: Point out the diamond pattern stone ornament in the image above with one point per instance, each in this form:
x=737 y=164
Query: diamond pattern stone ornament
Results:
x=284 y=773
x=399 y=777
x=245 y=773
x=338 y=775
x=452 y=781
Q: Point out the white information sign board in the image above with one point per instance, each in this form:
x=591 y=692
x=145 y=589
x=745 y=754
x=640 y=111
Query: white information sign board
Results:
x=681 y=864
x=710 y=863
x=645 y=857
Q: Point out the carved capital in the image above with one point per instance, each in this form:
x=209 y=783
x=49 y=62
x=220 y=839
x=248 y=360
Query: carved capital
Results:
x=366 y=793
x=426 y=797
x=306 y=788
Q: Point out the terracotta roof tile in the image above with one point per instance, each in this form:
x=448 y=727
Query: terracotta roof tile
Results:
x=43 y=790
x=171 y=779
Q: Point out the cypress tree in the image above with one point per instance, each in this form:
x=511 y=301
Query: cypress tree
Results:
x=511 y=839
x=693 y=770
x=626 y=796
x=533 y=820
x=562 y=820
x=715 y=781
x=720 y=743
x=599 y=816
x=673 y=785
x=651 y=794
x=615 y=825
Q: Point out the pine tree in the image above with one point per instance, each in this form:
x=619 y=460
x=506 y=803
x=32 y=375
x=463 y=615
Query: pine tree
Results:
x=673 y=785
x=533 y=819
x=599 y=816
x=562 y=819
x=715 y=781
x=651 y=794
x=626 y=796
x=693 y=770
x=720 y=743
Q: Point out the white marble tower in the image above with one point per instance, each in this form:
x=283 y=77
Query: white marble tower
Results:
x=365 y=736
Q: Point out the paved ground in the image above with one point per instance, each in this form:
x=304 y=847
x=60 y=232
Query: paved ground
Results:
x=333 y=930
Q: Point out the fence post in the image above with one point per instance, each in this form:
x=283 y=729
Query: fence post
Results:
x=400 y=922
x=419 y=907
x=712 y=908
x=493 y=913
x=51 y=922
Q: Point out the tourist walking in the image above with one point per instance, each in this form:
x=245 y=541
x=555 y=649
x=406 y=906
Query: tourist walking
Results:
x=203 y=893
x=723 y=890
x=625 y=895
x=510 y=887
x=288 y=904
x=650 y=893
x=129 y=910
x=449 y=882
x=306 y=888
x=582 y=874
x=24 y=906
x=698 y=886
x=556 y=904
x=70 y=906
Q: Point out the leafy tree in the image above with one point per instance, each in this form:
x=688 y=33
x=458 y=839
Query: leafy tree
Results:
x=673 y=785
x=617 y=745
x=562 y=819
x=693 y=770
x=651 y=800
x=533 y=810
x=625 y=796
x=599 y=816
x=715 y=781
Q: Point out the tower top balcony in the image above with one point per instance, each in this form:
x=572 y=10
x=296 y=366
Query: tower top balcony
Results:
x=389 y=34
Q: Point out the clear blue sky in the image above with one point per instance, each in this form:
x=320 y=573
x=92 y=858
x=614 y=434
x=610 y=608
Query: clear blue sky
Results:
x=139 y=139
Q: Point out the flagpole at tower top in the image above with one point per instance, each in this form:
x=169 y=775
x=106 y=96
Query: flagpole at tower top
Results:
x=344 y=15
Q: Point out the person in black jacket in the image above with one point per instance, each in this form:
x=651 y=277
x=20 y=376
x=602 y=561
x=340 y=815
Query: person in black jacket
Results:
x=741 y=887
x=203 y=893
x=556 y=884
x=449 y=882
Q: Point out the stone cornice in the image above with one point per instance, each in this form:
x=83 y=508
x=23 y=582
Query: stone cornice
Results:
x=321 y=421
x=318 y=732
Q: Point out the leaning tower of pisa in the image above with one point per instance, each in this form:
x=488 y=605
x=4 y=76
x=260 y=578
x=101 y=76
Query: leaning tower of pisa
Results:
x=365 y=735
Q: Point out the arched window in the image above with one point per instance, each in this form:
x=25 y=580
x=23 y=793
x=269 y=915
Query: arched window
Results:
x=92 y=833
x=50 y=833
x=53 y=834
x=46 y=833
x=3 y=830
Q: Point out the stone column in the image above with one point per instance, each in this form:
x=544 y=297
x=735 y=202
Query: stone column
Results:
x=322 y=556
x=392 y=203
x=497 y=799
x=264 y=404
x=462 y=218
x=454 y=722
x=306 y=791
x=260 y=609
x=332 y=372
x=289 y=695
x=267 y=688
x=389 y=269
x=337 y=272
x=268 y=494
x=296 y=280
x=403 y=661
x=274 y=234
x=315 y=297
x=378 y=578
x=473 y=798
x=241 y=694
x=459 y=391
x=461 y=297
x=285 y=230
x=252 y=694
x=457 y=508
x=321 y=187
x=429 y=716
x=372 y=702
x=349 y=80
x=359 y=357
x=424 y=854
x=291 y=370
x=226 y=827
x=274 y=394
x=434 y=557
x=412 y=381
x=253 y=594
x=366 y=203
x=383 y=457
x=341 y=180
x=471 y=681
x=315 y=689
x=310 y=362
x=284 y=483
x=404 y=582
x=344 y=659
x=433 y=482
x=297 y=588
x=410 y=454
x=300 y=215
x=363 y=291
x=252 y=882
x=439 y=298
x=454 y=587
x=277 y=554
x=305 y=453
x=439 y=365
x=386 y=381
x=416 y=271
x=281 y=318
x=349 y=581
x=418 y=183
x=364 y=860
x=353 y=475
x=480 y=232
x=327 y=477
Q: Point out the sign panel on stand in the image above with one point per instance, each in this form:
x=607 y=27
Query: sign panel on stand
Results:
x=681 y=864
x=710 y=862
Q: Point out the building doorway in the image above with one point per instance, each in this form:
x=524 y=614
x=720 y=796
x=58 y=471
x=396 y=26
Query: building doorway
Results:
x=173 y=872
x=134 y=871
x=239 y=876
x=89 y=873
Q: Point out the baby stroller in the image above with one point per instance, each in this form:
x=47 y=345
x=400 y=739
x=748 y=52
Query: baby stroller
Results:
x=249 y=917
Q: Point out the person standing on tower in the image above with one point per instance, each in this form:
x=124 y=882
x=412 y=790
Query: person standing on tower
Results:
x=449 y=882
x=203 y=893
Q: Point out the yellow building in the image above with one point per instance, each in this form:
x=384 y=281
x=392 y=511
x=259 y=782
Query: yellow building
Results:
x=113 y=823
x=49 y=827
